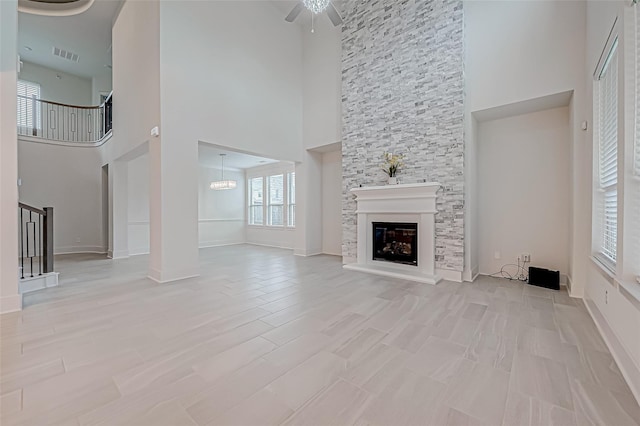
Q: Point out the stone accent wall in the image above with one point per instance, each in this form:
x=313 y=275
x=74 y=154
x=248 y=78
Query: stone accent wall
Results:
x=403 y=92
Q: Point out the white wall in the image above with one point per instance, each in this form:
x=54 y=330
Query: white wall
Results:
x=68 y=89
x=10 y=299
x=271 y=237
x=252 y=65
x=221 y=214
x=524 y=175
x=138 y=205
x=528 y=49
x=136 y=77
x=69 y=179
x=102 y=83
x=614 y=309
x=136 y=84
x=322 y=126
x=322 y=84
x=252 y=101
x=332 y=203
x=617 y=315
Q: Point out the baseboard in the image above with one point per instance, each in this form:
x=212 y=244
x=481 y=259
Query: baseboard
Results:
x=469 y=275
x=629 y=370
x=268 y=245
x=139 y=251
x=79 y=249
x=208 y=244
x=304 y=253
x=118 y=254
x=162 y=277
x=449 y=275
x=301 y=253
x=11 y=303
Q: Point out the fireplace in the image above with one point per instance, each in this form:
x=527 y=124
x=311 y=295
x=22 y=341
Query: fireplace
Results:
x=395 y=242
x=390 y=219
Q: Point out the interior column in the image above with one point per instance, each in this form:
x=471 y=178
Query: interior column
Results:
x=118 y=210
x=10 y=298
x=173 y=207
x=308 y=239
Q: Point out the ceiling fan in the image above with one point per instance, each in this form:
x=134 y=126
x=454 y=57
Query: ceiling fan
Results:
x=316 y=7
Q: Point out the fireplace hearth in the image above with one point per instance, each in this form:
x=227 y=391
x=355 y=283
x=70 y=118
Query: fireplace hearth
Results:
x=395 y=242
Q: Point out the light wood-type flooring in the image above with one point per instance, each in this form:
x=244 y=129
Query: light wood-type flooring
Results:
x=263 y=337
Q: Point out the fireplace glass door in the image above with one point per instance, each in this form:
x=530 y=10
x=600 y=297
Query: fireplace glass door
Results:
x=395 y=242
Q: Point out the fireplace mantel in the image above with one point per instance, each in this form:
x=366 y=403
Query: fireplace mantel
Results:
x=406 y=198
x=412 y=203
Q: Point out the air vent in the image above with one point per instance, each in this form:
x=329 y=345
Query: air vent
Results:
x=65 y=54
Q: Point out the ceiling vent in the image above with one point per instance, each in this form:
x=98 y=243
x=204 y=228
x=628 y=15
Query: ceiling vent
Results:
x=65 y=54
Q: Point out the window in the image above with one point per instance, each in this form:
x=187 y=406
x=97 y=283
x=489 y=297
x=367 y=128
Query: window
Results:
x=28 y=108
x=291 y=199
x=255 y=201
x=607 y=136
x=275 y=208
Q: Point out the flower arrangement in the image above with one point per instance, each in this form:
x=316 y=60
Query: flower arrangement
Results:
x=392 y=163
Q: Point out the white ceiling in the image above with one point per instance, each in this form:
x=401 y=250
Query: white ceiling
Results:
x=209 y=156
x=88 y=34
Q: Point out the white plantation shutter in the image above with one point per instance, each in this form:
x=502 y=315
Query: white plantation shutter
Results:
x=610 y=226
x=632 y=216
x=26 y=92
x=608 y=153
x=636 y=159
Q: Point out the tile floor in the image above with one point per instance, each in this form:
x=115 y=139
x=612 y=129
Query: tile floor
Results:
x=263 y=337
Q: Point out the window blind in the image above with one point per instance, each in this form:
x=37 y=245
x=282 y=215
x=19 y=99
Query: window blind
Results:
x=608 y=152
x=27 y=91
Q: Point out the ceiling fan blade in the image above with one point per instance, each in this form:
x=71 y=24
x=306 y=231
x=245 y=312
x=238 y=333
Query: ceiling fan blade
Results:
x=333 y=14
x=294 y=13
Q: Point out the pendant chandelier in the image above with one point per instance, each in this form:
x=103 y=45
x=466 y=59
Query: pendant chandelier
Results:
x=316 y=6
x=222 y=184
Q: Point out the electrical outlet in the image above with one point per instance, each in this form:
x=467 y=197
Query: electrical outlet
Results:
x=496 y=255
x=77 y=239
x=526 y=257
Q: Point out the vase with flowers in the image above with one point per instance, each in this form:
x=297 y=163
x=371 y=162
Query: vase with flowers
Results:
x=391 y=165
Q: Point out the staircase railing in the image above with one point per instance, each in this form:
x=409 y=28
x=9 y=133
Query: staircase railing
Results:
x=64 y=123
x=36 y=240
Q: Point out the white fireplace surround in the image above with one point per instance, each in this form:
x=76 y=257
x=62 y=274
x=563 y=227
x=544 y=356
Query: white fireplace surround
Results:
x=409 y=203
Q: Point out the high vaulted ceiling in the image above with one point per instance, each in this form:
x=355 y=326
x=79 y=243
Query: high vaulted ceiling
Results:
x=87 y=34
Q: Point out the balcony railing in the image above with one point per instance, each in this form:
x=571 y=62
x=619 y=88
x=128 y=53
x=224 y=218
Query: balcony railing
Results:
x=54 y=121
x=36 y=240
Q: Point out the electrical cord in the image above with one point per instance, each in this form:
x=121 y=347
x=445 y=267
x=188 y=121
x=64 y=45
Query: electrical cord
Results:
x=522 y=273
